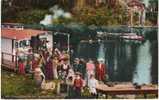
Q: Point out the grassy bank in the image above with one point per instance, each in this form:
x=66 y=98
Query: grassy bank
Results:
x=18 y=86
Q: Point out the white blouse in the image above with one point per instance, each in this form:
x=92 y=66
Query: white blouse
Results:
x=92 y=84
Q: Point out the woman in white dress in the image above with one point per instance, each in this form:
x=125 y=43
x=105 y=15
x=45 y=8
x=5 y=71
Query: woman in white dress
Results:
x=90 y=68
x=92 y=84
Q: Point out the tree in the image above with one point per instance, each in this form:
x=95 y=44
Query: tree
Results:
x=152 y=14
x=62 y=20
x=102 y=15
x=31 y=16
x=14 y=9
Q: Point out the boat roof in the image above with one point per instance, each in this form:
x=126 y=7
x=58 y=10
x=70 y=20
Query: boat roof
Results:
x=20 y=34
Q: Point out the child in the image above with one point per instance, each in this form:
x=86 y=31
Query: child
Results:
x=21 y=68
x=78 y=84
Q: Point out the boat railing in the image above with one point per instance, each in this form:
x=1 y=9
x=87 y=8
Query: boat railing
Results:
x=9 y=60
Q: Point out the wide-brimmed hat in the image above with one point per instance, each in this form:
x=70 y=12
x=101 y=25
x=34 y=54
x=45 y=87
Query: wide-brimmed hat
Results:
x=78 y=73
x=76 y=59
x=101 y=60
x=36 y=55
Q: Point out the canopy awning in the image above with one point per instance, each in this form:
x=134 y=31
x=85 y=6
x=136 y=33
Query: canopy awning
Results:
x=20 y=34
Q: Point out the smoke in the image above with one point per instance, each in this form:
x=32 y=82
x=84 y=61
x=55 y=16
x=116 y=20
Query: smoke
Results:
x=142 y=75
x=47 y=20
x=56 y=13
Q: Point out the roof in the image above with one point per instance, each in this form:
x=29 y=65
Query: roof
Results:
x=133 y=3
x=18 y=34
x=12 y=23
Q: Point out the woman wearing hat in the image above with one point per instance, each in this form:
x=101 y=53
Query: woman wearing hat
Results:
x=90 y=68
x=49 y=68
x=92 y=84
x=35 y=61
x=64 y=68
x=100 y=70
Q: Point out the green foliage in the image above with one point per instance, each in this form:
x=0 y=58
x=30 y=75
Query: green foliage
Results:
x=152 y=17
x=86 y=92
x=62 y=20
x=102 y=16
x=31 y=16
x=13 y=85
x=154 y=4
x=21 y=86
x=153 y=14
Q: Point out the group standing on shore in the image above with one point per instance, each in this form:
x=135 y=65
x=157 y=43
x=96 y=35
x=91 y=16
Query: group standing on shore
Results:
x=49 y=64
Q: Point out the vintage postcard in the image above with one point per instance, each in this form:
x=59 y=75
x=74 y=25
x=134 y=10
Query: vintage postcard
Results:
x=79 y=49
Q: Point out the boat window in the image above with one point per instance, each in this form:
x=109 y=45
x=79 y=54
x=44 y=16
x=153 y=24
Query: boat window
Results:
x=42 y=39
x=16 y=44
x=24 y=43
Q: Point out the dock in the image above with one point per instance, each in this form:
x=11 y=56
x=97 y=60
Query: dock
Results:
x=127 y=89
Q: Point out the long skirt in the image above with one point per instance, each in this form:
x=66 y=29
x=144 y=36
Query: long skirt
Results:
x=77 y=93
x=88 y=74
x=49 y=72
x=55 y=73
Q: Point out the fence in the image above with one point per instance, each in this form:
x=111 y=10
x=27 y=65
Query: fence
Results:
x=9 y=61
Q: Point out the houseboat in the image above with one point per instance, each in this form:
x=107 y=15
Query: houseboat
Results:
x=15 y=40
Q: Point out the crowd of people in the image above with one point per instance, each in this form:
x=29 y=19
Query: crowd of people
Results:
x=49 y=64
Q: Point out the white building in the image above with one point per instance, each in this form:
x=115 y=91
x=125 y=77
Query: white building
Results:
x=13 y=39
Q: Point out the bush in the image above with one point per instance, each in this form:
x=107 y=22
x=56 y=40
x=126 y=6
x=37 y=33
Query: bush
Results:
x=31 y=16
x=102 y=16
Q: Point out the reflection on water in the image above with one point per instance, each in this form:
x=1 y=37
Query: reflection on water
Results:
x=143 y=70
x=125 y=62
x=101 y=53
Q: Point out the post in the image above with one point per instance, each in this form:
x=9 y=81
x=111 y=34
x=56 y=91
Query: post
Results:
x=52 y=41
x=68 y=43
x=16 y=62
x=131 y=18
x=2 y=57
x=68 y=46
x=12 y=50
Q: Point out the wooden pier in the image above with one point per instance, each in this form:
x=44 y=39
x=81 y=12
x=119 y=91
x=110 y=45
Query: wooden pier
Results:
x=127 y=89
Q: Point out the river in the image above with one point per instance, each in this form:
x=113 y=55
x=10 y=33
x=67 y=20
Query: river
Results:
x=131 y=61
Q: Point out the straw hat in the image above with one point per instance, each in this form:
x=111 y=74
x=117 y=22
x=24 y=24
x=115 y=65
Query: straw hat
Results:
x=77 y=59
x=36 y=55
x=101 y=60
x=78 y=73
x=90 y=61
